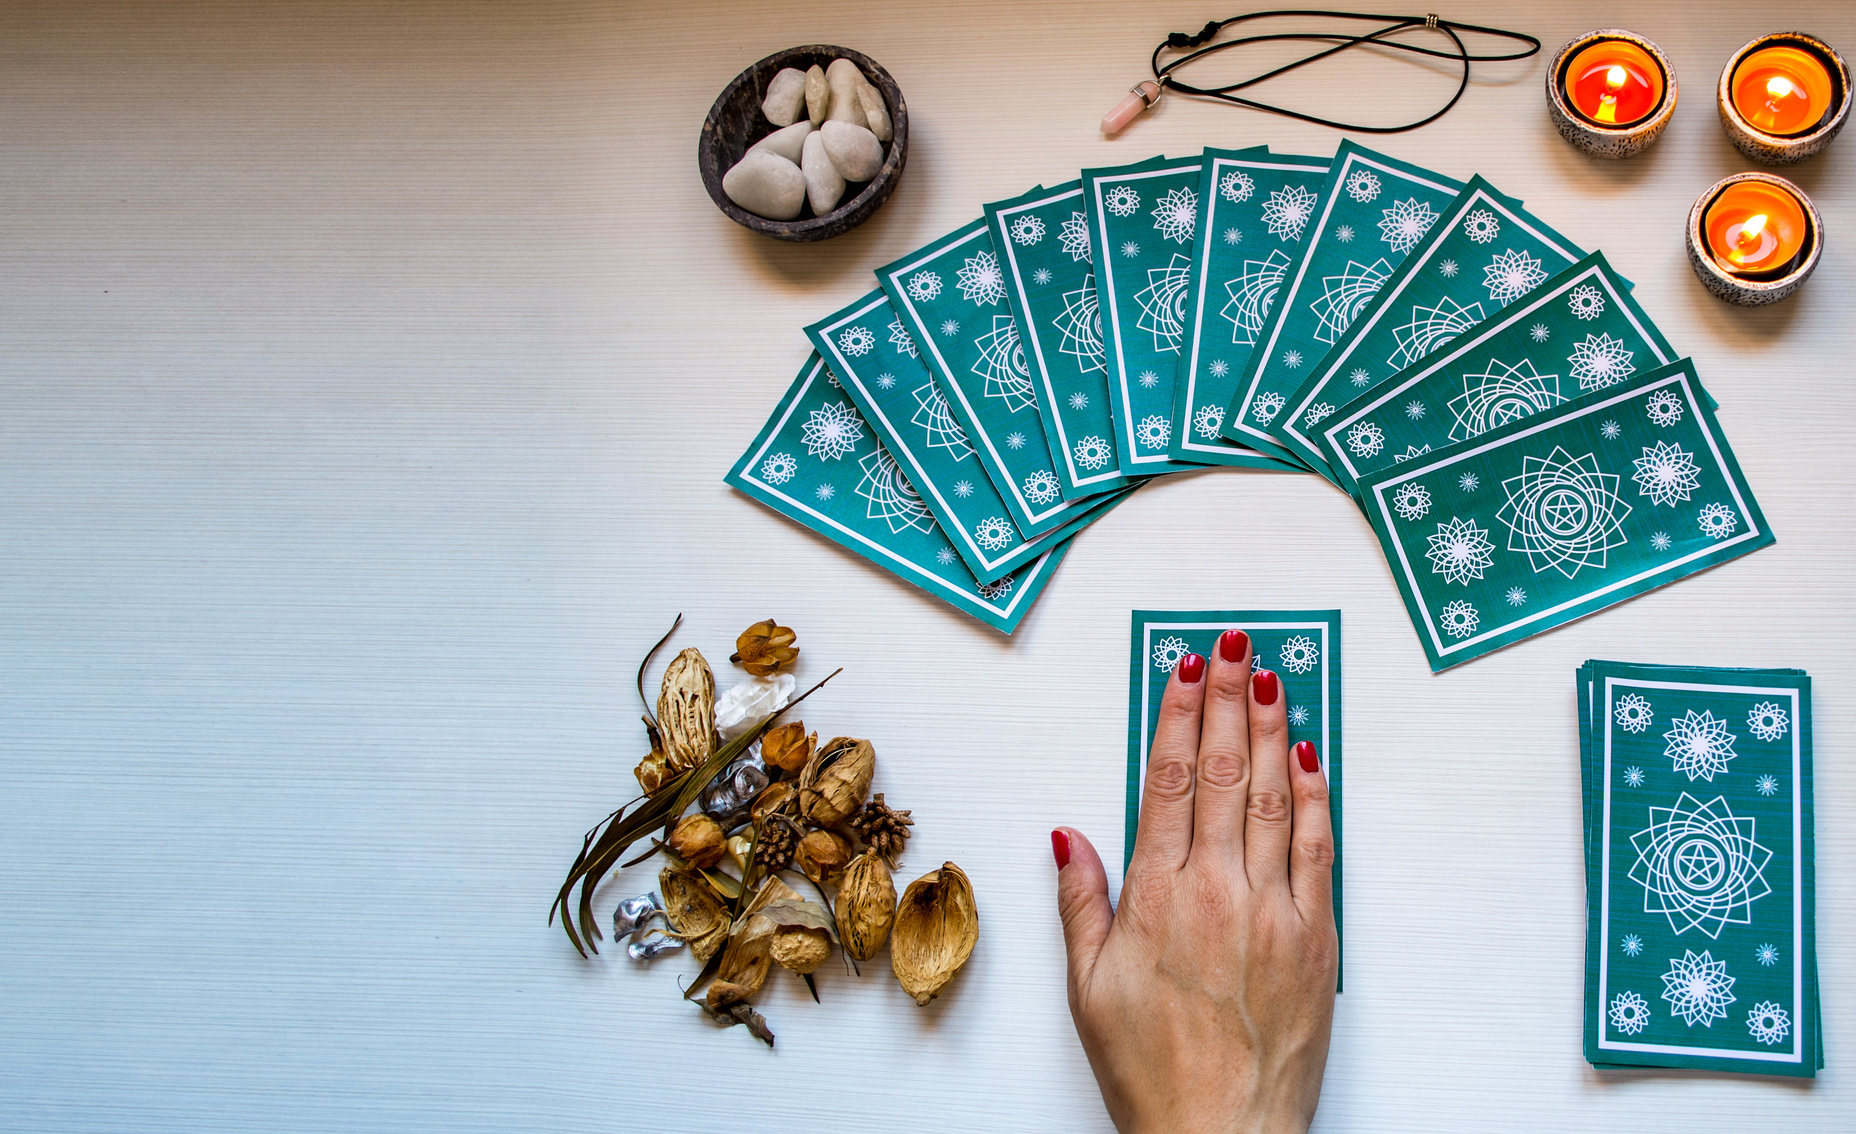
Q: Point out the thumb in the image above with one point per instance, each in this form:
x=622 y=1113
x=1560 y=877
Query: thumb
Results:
x=1082 y=903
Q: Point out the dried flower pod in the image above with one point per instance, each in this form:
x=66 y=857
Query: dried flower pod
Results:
x=698 y=840
x=735 y=850
x=866 y=906
x=686 y=712
x=744 y=964
x=822 y=855
x=936 y=927
x=653 y=771
x=787 y=747
x=765 y=647
x=775 y=798
x=778 y=838
x=836 y=780
x=694 y=911
x=802 y=939
x=882 y=828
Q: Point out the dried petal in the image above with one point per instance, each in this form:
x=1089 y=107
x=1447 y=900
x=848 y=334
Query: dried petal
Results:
x=744 y=964
x=776 y=797
x=765 y=647
x=787 y=747
x=835 y=780
x=653 y=771
x=866 y=906
x=686 y=711
x=694 y=911
x=937 y=925
x=698 y=841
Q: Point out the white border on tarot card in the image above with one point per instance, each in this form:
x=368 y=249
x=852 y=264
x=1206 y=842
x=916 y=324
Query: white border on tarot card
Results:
x=1799 y=1022
x=1004 y=612
x=1381 y=304
x=1338 y=179
x=980 y=424
x=1411 y=577
x=1509 y=317
x=1037 y=345
x=1204 y=284
x=1108 y=273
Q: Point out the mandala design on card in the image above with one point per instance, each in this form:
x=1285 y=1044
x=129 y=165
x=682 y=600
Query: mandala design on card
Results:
x=1073 y=235
x=1659 y=541
x=1432 y=327
x=1292 y=359
x=1632 y=713
x=1122 y=200
x=886 y=381
x=1298 y=715
x=1252 y=293
x=1092 y=452
x=1700 y=866
x=1666 y=474
x=1768 y=1023
x=1362 y=185
x=1511 y=275
x=1539 y=333
x=1632 y=945
x=1148 y=379
x=1079 y=401
x=980 y=281
x=1041 y=487
x=1366 y=439
x=1563 y=512
x=1630 y=1013
x=994 y=533
x=1481 y=226
x=1501 y=394
x=1041 y=276
x=945 y=556
x=963 y=488
x=1698 y=988
x=1080 y=323
x=1460 y=551
x=1130 y=249
x=1207 y=420
x=1176 y=214
x=1317 y=413
x=1664 y=408
x=1586 y=302
x=1405 y=224
x=1300 y=654
x=1359 y=377
x=1027 y=229
x=1153 y=431
x=924 y=286
x=1469 y=482
x=1219 y=368
x=1168 y=652
x=997 y=589
x=831 y=431
x=1459 y=619
x=856 y=341
x=1717 y=521
x=1236 y=186
x=1412 y=501
x=1633 y=777
x=1611 y=430
x=1344 y=234
x=1600 y=361
x=1233 y=236
x=1410 y=452
x=900 y=338
x=1699 y=745
x=1768 y=720
x=891 y=498
x=1266 y=406
x=1287 y=211
x=1014 y=440
x=1002 y=365
x=825 y=492
x=1414 y=410
x=1344 y=296
x=1163 y=302
x=1766 y=785
x=949 y=327
x=1767 y=955
x=778 y=468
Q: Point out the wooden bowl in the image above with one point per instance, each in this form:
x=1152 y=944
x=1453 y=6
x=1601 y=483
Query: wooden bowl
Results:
x=735 y=123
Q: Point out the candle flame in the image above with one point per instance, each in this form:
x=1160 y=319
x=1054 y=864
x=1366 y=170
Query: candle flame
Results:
x=1616 y=77
x=1778 y=87
x=1751 y=230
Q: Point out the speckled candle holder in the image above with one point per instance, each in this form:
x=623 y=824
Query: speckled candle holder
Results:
x=1598 y=139
x=1779 y=149
x=1724 y=284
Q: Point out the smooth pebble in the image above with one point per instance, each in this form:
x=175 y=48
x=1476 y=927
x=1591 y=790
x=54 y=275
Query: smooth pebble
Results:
x=767 y=185
x=824 y=184
x=786 y=97
x=818 y=94
x=853 y=149
x=843 y=77
x=875 y=112
x=789 y=142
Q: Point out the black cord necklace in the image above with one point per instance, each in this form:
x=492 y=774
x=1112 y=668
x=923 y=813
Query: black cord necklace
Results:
x=1148 y=92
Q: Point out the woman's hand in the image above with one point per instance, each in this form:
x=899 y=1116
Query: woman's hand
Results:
x=1205 y=1001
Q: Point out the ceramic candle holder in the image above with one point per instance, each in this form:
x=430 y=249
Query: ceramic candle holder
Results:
x=1752 y=288
x=1813 y=69
x=1588 y=128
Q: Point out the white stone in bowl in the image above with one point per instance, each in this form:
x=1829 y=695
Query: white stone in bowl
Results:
x=843 y=78
x=824 y=184
x=853 y=149
x=786 y=97
x=789 y=142
x=767 y=185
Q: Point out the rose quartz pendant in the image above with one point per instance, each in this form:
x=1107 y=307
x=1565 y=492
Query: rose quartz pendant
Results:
x=1140 y=97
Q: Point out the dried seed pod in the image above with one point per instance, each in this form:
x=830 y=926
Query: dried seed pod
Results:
x=775 y=844
x=936 y=927
x=776 y=797
x=686 y=712
x=698 y=840
x=882 y=828
x=653 y=771
x=694 y=911
x=802 y=939
x=821 y=855
x=836 y=780
x=765 y=647
x=787 y=747
x=866 y=906
x=735 y=850
x=744 y=964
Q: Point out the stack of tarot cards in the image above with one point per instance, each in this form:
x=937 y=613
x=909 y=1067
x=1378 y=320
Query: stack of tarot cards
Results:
x=1527 y=446
x=1700 y=925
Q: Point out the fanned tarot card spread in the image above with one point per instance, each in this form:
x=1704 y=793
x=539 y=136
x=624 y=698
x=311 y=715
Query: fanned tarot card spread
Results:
x=1553 y=517
x=1700 y=861
x=1484 y=254
x=1357 y=229
x=951 y=296
x=871 y=359
x=1575 y=334
x=818 y=462
x=1243 y=251
x=1142 y=218
x=1043 y=238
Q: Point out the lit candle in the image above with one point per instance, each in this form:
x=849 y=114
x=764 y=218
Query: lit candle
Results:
x=1782 y=90
x=1614 y=83
x=1754 y=228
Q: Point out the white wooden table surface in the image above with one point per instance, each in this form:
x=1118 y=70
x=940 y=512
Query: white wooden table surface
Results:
x=368 y=372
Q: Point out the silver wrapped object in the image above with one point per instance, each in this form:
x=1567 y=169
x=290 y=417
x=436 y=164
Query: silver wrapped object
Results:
x=729 y=795
x=634 y=914
x=651 y=946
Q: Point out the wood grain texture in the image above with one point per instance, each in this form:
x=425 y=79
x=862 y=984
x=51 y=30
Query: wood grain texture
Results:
x=368 y=373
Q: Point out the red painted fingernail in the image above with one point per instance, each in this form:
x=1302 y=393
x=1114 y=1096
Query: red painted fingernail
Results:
x=1306 y=756
x=1264 y=687
x=1233 y=645
x=1191 y=669
x=1060 y=848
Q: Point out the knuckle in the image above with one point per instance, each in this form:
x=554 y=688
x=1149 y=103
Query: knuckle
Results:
x=1311 y=789
x=1176 y=712
x=1316 y=850
x=1270 y=725
x=1229 y=683
x=1169 y=777
x=1224 y=768
x=1268 y=807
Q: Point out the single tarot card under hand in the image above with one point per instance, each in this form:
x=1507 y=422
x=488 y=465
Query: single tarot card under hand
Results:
x=1242 y=259
x=1701 y=944
x=1555 y=516
x=1356 y=231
